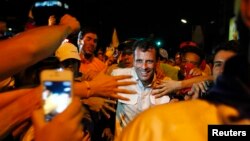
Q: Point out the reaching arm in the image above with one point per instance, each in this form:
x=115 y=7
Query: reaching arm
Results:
x=105 y=86
x=168 y=86
x=17 y=106
x=189 y=82
x=29 y=47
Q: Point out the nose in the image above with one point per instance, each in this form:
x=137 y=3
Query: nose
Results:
x=92 y=42
x=144 y=65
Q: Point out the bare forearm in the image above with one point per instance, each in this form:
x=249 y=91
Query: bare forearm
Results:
x=10 y=96
x=189 y=82
x=29 y=47
x=18 y=111
x=81 y=90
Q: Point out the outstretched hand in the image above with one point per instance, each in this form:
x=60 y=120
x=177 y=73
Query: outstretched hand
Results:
x=165 y=87
x=197 y=89
x=98 y=104
x=107 y=86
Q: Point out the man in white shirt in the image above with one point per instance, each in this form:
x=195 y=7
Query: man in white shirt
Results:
x=143 y=71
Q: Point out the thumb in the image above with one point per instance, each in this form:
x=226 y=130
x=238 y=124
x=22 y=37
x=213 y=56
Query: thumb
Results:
x=38 y=119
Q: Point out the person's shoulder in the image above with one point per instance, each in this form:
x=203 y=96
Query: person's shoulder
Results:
x=191 y=110
x=190 y=118
x=166 y=66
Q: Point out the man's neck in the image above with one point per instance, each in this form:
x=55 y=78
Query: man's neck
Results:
x=147 y=83
x=87 y=56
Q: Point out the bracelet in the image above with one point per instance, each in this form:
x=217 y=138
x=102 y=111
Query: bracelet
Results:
x=88 y=88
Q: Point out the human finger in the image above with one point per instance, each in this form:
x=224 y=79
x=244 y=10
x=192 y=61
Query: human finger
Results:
x=159 y=95
x=86 y=137
x=124 y=91
x=109 y=108
x=155 y=91
x=121 y=77
x=201 y=87
x=117 y=96
x=105 y=113
x=110 y=101
x=38 y=119
x=126 y=83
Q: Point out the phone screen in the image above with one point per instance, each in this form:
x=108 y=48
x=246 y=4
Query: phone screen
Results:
x=56 y=96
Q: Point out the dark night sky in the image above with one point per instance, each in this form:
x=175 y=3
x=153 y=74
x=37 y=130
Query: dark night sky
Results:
x=137 y=18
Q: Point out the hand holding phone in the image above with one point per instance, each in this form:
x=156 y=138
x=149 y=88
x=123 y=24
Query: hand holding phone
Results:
x=57 y=91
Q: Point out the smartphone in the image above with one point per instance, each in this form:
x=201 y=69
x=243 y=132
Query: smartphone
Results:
x=57 y=91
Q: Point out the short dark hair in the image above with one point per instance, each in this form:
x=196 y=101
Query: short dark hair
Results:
x=126 y=44
x=145 y=44
x=86 y=30
x=232 y=45
x=193 y=49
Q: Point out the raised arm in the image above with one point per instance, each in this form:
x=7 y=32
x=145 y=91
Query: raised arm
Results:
x=31 y=46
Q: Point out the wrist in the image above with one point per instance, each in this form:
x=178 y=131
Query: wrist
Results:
x=179 y=85
x=88 y=88
x=68 y=29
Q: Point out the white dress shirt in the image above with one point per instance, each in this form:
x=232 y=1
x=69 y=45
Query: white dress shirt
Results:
x=142 y=100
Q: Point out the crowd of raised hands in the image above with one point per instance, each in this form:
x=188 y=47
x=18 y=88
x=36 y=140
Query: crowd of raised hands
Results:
x=27 y=102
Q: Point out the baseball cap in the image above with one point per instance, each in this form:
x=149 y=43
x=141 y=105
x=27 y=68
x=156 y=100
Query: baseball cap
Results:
x=188 y=44
x=67 y=51
x=163 y=53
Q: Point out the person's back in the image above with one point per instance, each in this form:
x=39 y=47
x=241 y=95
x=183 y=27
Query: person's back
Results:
x=187 y=120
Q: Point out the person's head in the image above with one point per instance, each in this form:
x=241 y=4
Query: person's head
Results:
x=87 y=41
x=145 y=60
x=69 y=57
x=127 y=53
x=222 y=53
x=100 y=55
x=163 y=57
x=191 y=56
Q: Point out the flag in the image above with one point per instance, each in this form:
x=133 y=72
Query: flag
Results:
x=112 y=49
x=115 y=41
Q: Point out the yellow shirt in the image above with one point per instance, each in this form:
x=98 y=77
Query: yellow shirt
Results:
x=187 y=120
